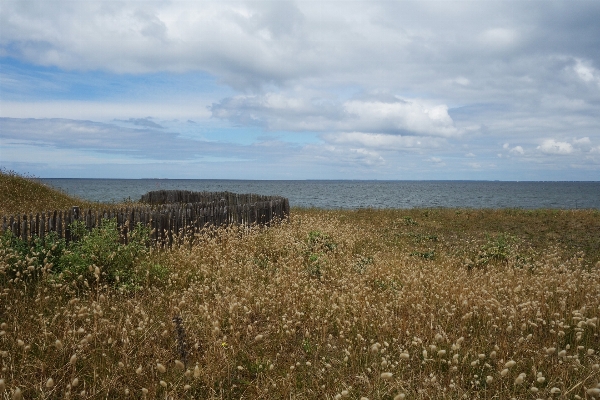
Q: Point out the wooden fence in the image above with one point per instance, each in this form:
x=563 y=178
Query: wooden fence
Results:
x=167 y=221
x=158 y=197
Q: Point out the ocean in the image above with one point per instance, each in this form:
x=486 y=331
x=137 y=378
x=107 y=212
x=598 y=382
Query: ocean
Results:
x=349 y=194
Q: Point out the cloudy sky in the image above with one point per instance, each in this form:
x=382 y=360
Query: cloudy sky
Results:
x=506 y=90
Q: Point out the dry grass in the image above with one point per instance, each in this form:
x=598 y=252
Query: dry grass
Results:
x=330 y=304
x=20 y=194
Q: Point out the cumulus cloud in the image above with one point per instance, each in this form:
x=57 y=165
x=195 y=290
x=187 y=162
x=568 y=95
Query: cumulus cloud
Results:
x=276 y=111
x=553 y=147
x=570 y=146
x=517 y=150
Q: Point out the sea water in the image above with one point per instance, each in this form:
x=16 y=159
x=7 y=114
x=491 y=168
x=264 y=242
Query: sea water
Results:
x=350 y=194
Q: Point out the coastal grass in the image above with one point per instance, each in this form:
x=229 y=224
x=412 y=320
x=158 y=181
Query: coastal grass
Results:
x=329 y=304
x=23 y=194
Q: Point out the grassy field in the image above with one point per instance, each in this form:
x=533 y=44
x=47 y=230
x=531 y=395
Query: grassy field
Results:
x=376 y=304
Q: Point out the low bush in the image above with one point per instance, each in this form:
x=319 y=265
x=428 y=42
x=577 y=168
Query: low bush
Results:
x=98 y=256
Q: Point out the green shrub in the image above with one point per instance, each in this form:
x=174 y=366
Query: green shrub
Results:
x=28 y=261
x=99 y=255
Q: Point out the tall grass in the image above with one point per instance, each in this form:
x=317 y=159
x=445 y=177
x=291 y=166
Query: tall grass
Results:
x=385 y=304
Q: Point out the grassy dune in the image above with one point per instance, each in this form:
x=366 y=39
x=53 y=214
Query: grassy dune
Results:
x=385 y=304
x=21 y=194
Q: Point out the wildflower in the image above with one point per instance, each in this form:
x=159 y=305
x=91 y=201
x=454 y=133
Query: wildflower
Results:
x=489 y=379
x=550 y=350
x=179 y=364
x=2 y=385
x=73 y=359
x=138 y=370
x=504 y=372
x=593 y=392
x=163 y=384
x=50 y=383
x=562 y=353
x=75 y=382
x=510 y=364
x=196 y=372
x=400 y=396
x=404 y=356
x=386 y=375
x=555 y=390
x=258 y=338
x=161 y=368
x=58 y=344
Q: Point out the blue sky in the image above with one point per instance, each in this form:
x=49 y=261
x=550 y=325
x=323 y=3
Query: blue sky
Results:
x=301 y=89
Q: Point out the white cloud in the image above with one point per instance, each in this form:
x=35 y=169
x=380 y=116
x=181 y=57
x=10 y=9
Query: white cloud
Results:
x=402 y=116
x=277 y=111
x=362 y=76
x=551 y=146
x=586 y=72
x=584 y=141
x=517 y=150
x=382 y=141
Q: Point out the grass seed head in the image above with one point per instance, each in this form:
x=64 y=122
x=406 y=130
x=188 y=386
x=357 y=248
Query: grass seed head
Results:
x=17 y=394
x=386 y=375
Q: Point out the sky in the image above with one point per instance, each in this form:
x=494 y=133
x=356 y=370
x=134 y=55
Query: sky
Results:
x=389 y=90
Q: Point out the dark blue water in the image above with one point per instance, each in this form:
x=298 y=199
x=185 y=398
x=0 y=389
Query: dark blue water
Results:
x=359 y=194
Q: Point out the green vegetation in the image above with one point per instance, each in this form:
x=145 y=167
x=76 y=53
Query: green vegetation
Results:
x=381 y=304
x=98 y=256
